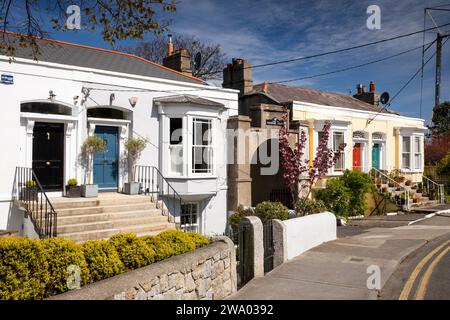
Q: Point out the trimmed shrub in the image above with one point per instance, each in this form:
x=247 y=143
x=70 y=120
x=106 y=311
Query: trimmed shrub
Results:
x=305 y=207
x=102 y=259
x=241 y=212
x=23 y=269
x=359 y=183
x=173 y=242
x=61 y=253
x=198 y=239
x=133 y=251
x=336 y=197
x=268 y=210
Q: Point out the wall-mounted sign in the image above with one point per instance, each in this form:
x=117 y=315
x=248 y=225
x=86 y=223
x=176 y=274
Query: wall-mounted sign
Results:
x=7 y=78
x=274 y=122
x=133 y=101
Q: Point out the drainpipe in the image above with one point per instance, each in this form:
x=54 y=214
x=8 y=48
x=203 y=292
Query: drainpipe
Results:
x=397 y=148
x=311 y=142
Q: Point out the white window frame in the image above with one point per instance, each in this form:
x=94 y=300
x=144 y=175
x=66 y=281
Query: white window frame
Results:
x=341 y=128
x=192 y=119
x=334 y=148
x=187 y=144
x=183 y=147
x=412 y=153
x=198 y=214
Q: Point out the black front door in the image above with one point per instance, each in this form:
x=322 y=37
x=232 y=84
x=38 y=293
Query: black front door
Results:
x=48 y=155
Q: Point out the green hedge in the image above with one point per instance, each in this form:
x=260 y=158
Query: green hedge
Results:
x=35 y=269
x=265 y=210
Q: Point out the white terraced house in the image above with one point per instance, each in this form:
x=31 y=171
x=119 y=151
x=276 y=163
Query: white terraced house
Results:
x=50 y=107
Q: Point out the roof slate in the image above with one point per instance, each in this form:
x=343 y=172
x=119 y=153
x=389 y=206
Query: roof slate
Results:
x=96 y=58
x=283 y=93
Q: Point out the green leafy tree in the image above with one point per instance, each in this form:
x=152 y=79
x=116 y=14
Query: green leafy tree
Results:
x=116 y=19
x=441 y=119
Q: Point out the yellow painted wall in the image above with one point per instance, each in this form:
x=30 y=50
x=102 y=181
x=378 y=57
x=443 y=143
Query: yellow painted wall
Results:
x=359 y=124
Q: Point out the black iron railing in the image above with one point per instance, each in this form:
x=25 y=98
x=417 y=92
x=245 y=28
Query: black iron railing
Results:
x=30 y=195
x=154 y=184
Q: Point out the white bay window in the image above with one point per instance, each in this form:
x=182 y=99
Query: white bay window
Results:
x=189 y=148
x=412 y=153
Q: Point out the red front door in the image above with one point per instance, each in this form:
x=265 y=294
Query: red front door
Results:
x=357 y=156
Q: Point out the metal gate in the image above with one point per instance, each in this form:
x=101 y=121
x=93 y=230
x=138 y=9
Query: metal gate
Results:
x=268 y=245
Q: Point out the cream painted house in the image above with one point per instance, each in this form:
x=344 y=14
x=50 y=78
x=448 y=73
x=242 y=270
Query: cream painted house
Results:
x=375 y=138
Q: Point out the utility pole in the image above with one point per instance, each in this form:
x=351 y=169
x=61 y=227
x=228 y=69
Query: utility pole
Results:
x=439 y=38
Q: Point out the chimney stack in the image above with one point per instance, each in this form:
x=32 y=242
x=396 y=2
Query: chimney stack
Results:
x=179 y=60
x=265 y=86
x=372 y=97
x=238 y=75
x=372 y=86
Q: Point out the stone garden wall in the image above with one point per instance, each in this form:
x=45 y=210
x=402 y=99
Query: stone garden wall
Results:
x=206 y=273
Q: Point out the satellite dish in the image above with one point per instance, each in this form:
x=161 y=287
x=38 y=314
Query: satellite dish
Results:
x=384 y=98
x=197 y=60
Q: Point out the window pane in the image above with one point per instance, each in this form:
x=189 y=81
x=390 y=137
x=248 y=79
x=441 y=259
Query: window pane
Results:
x=176 y=159
x=338 y=139
x=201 y=148
x=176 y=130
x=417 y=145
x=406 y=161
x=189 y=217
x=406 y=144
x=417 y=161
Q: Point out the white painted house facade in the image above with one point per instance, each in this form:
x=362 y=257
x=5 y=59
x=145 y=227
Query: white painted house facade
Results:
x=76 y=91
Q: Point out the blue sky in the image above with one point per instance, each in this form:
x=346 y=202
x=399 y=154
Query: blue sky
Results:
x=264 y=31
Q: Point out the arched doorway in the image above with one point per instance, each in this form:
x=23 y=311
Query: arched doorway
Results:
x=266 y=173
x=359 y=162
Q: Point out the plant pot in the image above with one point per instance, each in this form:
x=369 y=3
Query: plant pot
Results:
x=131 y=188
x=89 y=190
x=73 y=191
x=28 y=194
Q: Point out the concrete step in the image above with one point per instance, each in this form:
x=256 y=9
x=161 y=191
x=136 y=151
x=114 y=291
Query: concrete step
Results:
x=84 y=218
x=82 y=227
x=145 y=228
x=89 y=235
x=139 y=221
x=78 y=211
x=66 y=203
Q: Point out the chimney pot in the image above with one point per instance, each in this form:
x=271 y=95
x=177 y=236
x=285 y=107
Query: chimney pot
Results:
x=363 y=88
x=359 y=88
x=372 y=86
x=265 y=86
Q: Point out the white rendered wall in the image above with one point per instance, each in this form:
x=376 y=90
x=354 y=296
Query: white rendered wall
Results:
x=305 y=233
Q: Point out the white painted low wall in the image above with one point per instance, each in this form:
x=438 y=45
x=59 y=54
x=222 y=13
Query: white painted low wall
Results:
x=308 y=232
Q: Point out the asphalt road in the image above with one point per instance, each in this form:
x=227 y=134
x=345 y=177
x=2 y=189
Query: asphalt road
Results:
x=424 y=275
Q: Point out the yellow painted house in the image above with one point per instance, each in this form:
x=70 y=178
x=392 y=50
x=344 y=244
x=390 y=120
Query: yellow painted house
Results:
x=377 y=139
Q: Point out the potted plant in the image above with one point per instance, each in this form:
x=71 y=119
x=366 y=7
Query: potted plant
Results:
x=92 y=144
x=73 y=190
x=134 y=148
x=29 y=193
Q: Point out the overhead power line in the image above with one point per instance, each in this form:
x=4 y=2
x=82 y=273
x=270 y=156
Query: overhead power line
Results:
x=404 y=86
x=355 y=66
x=317 y=55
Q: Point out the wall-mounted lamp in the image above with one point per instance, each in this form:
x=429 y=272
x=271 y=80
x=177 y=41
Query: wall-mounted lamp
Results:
x=51 y=95
x=112 y=97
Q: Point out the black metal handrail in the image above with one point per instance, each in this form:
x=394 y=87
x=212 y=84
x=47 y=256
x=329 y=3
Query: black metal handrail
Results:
x=153 y=183
x=30 y=194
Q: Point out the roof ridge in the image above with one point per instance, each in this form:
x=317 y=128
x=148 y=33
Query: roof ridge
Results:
x=103 y=50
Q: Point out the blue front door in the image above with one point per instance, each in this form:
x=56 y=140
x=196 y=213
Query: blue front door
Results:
x=106 y=165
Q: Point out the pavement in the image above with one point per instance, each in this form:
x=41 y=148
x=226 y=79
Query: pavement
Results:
x=340 y=269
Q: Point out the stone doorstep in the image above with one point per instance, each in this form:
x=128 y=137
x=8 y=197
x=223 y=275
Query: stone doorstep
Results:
x=113 y=216
x=76 y=211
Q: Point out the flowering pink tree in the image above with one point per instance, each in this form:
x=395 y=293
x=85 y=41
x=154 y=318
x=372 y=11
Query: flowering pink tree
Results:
x=296 y=168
